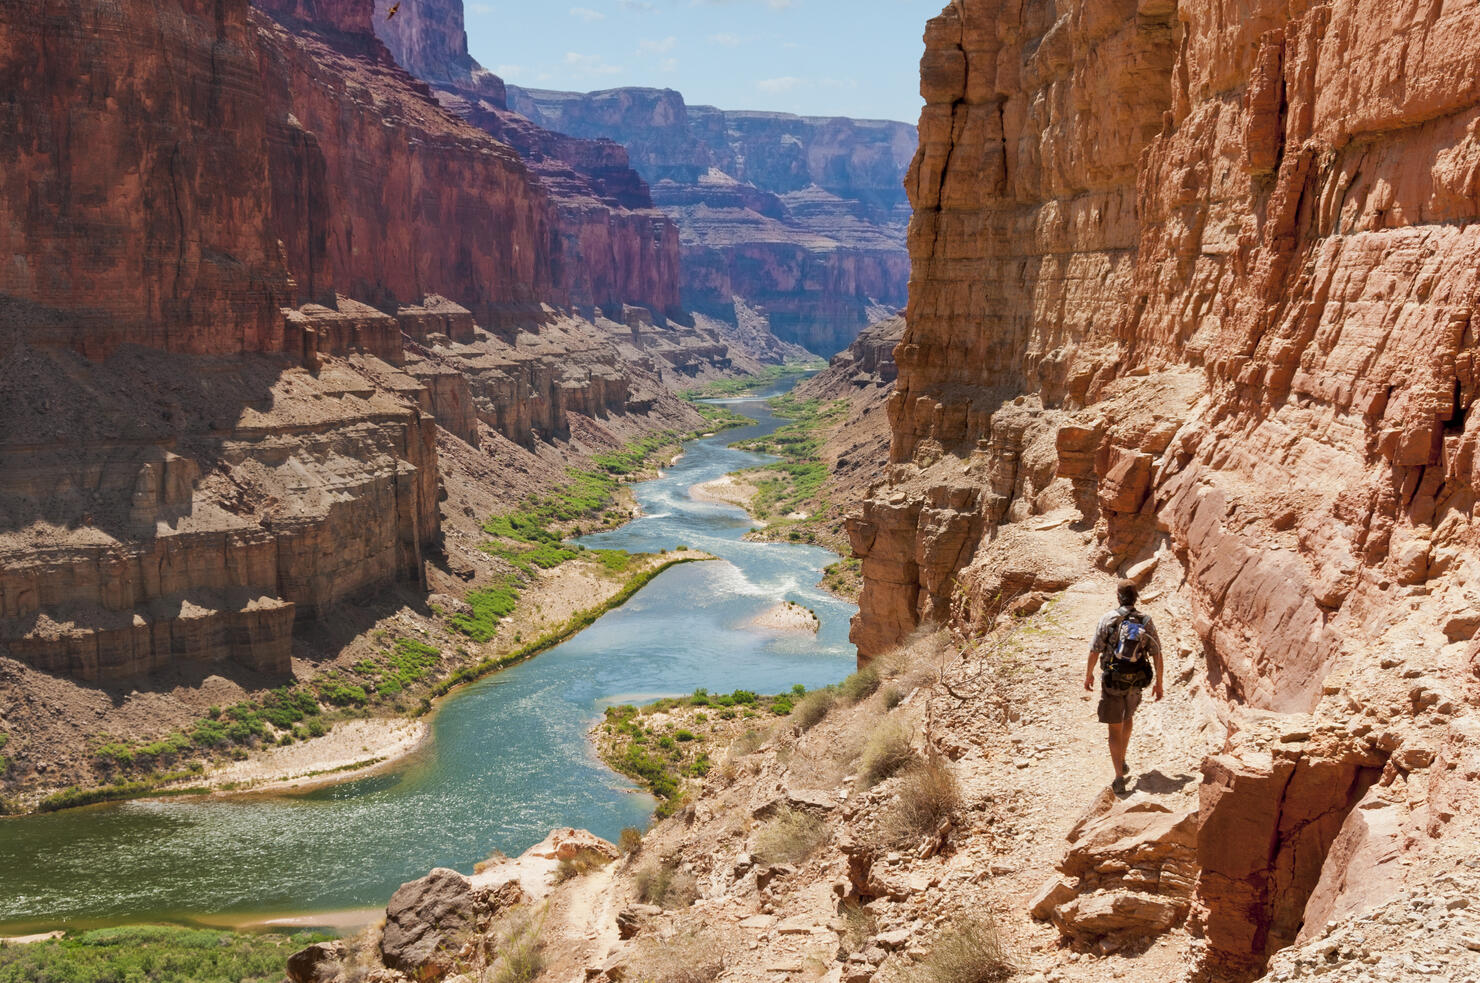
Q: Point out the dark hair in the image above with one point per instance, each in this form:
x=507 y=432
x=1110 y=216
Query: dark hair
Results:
x=1126 y=593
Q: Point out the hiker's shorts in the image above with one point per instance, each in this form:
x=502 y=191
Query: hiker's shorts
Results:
x=1118 y=705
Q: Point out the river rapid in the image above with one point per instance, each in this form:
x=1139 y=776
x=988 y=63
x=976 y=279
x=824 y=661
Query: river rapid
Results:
x=508 y=761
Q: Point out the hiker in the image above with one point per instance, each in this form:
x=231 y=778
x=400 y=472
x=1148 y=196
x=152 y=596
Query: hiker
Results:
x=1125 y=646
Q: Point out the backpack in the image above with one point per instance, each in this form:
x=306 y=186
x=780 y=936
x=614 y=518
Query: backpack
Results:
x=1127 y=666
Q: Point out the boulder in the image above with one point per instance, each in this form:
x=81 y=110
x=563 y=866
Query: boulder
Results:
x=427 y=922
x=319 y=963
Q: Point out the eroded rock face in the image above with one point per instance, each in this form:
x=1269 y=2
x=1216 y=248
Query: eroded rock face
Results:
x=1227 y=261
x=799 y=217
x=115 y=230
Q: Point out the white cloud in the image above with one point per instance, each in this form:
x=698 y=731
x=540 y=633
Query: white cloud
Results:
x=508 y=70
x=590 y=64
x=637 y=6
x=481 y=8
x=727 y=40
x=587 y=14
x=657 y=47
x=669 y=65
x=776 y=85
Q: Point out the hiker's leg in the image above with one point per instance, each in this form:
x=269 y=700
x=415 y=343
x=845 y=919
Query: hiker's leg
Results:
x=1117 y=746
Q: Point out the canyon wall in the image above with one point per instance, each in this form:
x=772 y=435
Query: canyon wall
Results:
x=1204 y=274
x=611 y=247
x=801 y=218
x=209 y=207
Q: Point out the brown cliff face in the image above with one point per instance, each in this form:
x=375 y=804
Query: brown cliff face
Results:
x=117 y=230
x=1208 y=274
x=609 y=245
x=799 y=217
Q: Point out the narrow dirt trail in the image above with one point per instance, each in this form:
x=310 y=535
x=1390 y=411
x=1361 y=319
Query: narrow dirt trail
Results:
x=1044 y=770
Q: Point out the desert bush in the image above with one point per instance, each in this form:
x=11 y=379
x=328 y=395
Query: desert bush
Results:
x=813 y=708
x=520 y=948
x=748 y=742
x=790 y=837
x=630 y=841
x=859 y=926
x=892 y=696
x=158 y=954
x=967 y=950
x=663 y=884
x=861 y=685
x=928 y=794
x=582 y=862
x=694 y=957
x=492 y=860
x=886 y=752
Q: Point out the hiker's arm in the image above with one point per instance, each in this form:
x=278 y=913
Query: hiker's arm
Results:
x=1156 y=660
x=1089 y=670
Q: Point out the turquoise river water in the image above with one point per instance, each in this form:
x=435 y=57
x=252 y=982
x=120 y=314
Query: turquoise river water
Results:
x=509 y=757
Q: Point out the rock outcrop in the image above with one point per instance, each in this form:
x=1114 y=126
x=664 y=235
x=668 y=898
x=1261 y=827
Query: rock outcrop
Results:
x=611 y=247
x=1211 y=280
x=801 y=218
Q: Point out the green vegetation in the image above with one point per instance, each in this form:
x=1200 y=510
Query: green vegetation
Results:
x=580 y=863
x=521 y=955
x=721 y=418
x=751 y=384
x=4 y=761
x=556 y=635
x=153 y=954
x=886 y=751
x=795 y=480
x=533 y=537
x=663 y=760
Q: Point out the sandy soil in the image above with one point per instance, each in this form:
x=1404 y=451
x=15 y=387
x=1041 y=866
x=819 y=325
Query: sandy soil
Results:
x=727 y=489
x=350 y=750
x=786 y=617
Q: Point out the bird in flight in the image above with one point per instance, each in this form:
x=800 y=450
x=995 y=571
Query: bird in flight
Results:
x=392 y=12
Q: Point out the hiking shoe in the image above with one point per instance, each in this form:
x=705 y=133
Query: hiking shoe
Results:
x=1118 y=785
x=1125 y=770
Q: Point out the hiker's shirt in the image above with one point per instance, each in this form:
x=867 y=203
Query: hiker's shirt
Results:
x=1103 y=644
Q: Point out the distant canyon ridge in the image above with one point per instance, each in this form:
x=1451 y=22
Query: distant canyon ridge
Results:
x=793 y=223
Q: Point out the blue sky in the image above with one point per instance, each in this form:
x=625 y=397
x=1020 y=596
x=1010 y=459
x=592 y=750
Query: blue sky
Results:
x=814 y=57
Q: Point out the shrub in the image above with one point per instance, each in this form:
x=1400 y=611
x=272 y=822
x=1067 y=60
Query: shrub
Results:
x=892 y=696
x=158 y=954
x=791 y=837
x=861 y=685
x=814 y=707
x=630 y=840
x=928 y=794
x=967 y=950
x=689 y=958
x=859 y=926
x=663 y=884
x=886 y=752
x=582 y=862
x=520 y=949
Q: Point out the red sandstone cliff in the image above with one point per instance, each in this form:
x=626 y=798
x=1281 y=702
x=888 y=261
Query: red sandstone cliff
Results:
x=801 y=218
x=206 y=200
x=1207 y=275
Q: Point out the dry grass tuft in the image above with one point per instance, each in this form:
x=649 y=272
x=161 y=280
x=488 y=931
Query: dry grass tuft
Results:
x=886 y=752
x=520 y=950
x=928 y=795
x=967 y=950
x=630 y=841
x=663 y=884
x=582 y=862
x=859 y=926
x=790 y=838
x=861 y=685
x=814 y=707
x=494 y=859
x=694 y=957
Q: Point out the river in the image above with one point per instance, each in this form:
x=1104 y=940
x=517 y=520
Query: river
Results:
x=508 y=761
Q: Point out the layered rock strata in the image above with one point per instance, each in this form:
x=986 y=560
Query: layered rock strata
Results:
x=1212 y=280
x=799 y=217
x=610 y=246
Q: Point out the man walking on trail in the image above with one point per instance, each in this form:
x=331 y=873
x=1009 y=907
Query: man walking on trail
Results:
x=1125 y=647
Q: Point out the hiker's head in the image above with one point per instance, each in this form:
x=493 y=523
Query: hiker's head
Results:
x=1125 y=593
